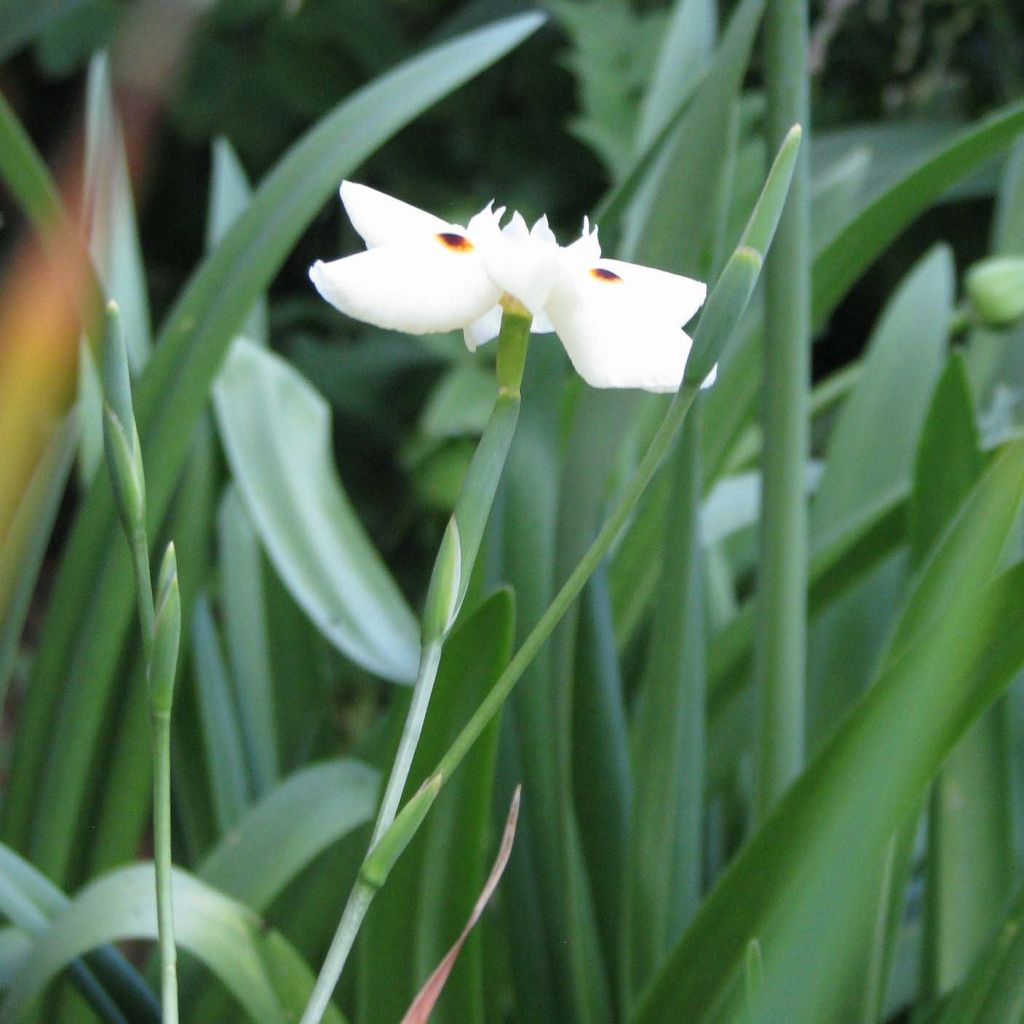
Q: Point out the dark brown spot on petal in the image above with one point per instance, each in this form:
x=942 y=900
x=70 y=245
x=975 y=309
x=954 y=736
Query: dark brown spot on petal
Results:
x=604 y=275
x=457 y=243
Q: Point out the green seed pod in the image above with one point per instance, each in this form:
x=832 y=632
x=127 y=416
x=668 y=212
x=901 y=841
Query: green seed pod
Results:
x=996 y=289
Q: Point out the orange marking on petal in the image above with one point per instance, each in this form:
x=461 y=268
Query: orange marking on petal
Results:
x=604 y=275
x=457 y=243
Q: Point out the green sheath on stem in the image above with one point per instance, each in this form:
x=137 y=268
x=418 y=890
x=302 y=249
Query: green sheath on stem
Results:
x=782 y=626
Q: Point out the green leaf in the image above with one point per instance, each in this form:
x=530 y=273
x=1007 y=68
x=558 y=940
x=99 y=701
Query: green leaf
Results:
x=282 y=834
x=25 y=543
x=970 y=837
x=460 y=404
x=586 y=710
x=24 y=170
x=109 y=212
x=678 y=198
x=277 y=436
x=29 y=900
x=222 y=741
x=835 y=193
x=685 y=52
x=245 y=633
x=255 y=964
x=858 y=244
x=807 y=879
x=949 y=460
x=614 y=46
x=904 y=358
x=525 y=538
x=72 y=682
x=993 y=993
x=836 y=563
x=948 y=466
x=664 y=877
x=905 y=355
x=602 y=783
x=969 y=551
x=230 y=196
x=723 y=313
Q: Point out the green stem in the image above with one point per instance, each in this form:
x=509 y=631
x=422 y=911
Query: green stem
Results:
x=362 y=893
x=540 y=633
x=782 y=629
x=162 y=859
x=471 y=513
x=430 y=658
x=161 y=724
x=161 y=789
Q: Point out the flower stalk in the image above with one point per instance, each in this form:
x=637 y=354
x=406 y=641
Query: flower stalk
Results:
x=725 y=308
x=159 y=624
x=449 y=581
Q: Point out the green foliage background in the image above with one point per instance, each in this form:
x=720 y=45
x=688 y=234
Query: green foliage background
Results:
x=306 y=475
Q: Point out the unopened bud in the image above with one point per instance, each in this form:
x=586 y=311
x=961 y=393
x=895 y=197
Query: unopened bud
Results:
x=443 y=593
x=124 y=464
x=117 y=388
x=166 y=636
x=996 y=289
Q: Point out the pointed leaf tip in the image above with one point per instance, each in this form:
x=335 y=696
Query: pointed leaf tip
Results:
x=423 y=1005
x=764 y=220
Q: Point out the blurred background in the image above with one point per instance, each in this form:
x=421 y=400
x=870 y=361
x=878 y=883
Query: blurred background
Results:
x=546 y=130
x=210 y=96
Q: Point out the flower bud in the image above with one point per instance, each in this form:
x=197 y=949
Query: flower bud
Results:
x=120 y=436
x=443 y=593
x=124 y=464
x=117 y=389
x=996 y=289
x=166 y=636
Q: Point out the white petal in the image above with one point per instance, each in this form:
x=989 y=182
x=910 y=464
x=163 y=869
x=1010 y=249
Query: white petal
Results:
x=421 y=285
x=380 y=219
x=586 y=250
x=677 y=296
x=616 y=335
x=542 y=325
x=481 y=331
x=522 y=263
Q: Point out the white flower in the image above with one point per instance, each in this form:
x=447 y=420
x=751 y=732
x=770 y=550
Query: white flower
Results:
x=620 y=323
